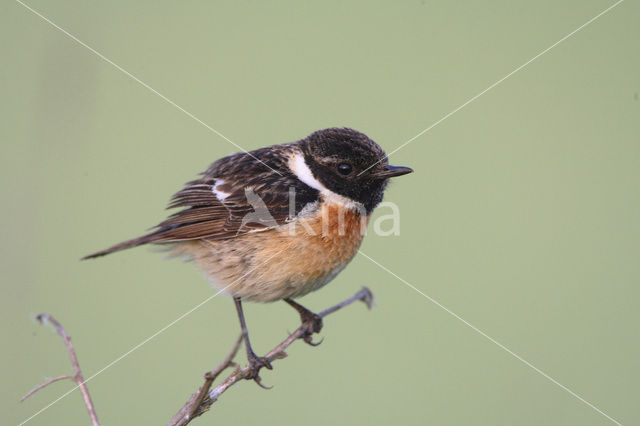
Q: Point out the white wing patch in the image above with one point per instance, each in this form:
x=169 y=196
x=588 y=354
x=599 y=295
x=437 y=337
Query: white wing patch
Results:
x=220 y=195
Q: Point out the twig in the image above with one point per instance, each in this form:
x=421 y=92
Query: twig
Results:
x=77 y=377
x=45 y=384
x=204 y=397
x=192 y=408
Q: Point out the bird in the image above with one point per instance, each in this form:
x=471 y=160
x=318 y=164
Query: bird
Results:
x=278 y=222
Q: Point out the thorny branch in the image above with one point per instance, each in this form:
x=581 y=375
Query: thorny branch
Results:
x=77 y=377
x=205 y=396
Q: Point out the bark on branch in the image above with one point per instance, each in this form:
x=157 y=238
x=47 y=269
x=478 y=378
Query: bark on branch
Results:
x=205 y=396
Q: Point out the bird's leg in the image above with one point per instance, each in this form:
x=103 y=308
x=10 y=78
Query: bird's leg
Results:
x=255 y=362
x=311 y=321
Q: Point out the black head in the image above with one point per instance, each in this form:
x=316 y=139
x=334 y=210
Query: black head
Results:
x=350 y=164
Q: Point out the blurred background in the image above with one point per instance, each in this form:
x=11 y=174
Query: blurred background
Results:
x=522 y=216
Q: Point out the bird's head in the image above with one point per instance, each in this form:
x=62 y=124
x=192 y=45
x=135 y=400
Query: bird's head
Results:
x=347 y=163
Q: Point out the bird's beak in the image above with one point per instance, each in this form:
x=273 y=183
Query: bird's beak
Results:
x=389 y=171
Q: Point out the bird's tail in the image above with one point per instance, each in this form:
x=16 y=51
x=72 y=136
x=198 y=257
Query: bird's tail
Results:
x=145 y=239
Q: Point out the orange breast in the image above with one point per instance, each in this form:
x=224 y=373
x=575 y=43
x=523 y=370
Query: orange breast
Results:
x=289 y=261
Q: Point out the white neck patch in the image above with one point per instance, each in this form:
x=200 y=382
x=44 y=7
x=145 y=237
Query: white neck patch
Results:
x=300 y=168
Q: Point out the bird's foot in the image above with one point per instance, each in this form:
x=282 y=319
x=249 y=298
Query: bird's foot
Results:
x=312 y=323
x=255 y=364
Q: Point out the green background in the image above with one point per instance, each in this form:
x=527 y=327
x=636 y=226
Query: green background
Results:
x=523 y=215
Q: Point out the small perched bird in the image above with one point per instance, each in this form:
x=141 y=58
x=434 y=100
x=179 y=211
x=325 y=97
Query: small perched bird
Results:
x=278 y=222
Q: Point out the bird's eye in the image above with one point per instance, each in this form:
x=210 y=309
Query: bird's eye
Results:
x=344 y=168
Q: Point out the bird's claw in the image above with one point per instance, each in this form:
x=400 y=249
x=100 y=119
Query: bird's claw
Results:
x=255 y=364
x=309 y=340
x=312 y=323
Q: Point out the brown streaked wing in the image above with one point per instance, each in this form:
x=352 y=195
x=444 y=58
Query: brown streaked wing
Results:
x=205 y=216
